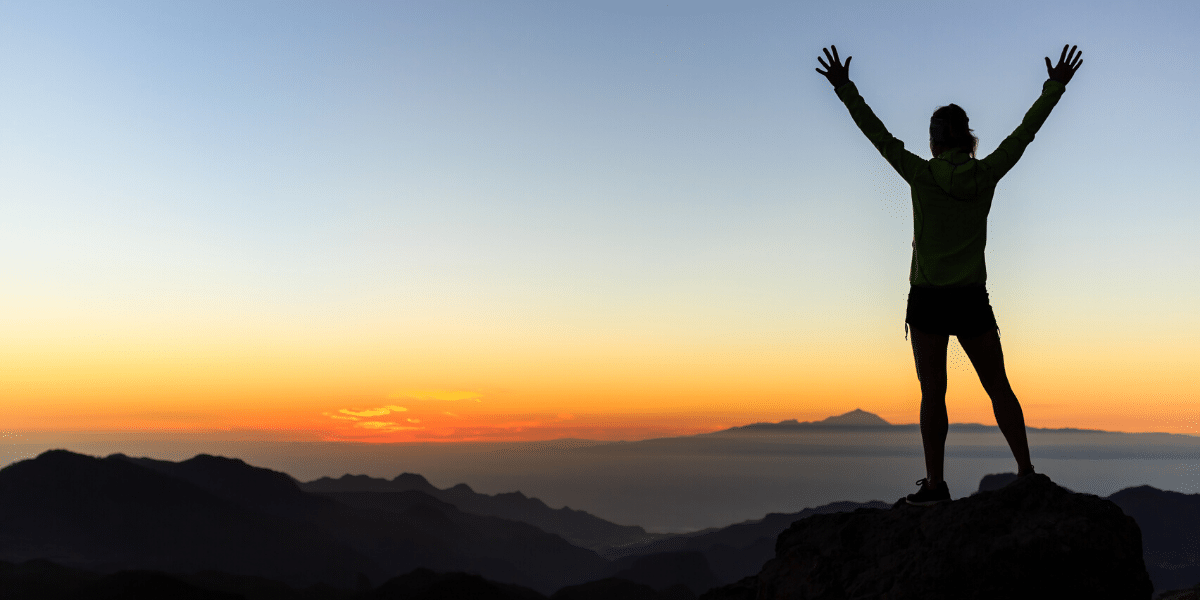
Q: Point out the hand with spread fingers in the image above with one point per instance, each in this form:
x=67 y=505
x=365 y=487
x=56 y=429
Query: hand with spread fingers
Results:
x=1066 y=67
x=837 y=73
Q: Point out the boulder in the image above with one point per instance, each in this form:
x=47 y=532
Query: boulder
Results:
x=1029 y=539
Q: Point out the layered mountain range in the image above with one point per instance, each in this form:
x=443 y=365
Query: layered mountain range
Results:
x=578 y=527
x=246 y=526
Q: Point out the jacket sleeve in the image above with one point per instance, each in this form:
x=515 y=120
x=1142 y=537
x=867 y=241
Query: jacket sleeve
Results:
x=906 y=163
x=1005 y=156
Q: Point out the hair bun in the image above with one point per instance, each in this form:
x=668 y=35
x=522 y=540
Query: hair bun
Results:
x=949 y=127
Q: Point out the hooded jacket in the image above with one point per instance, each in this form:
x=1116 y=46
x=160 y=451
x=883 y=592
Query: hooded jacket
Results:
x=951 y=194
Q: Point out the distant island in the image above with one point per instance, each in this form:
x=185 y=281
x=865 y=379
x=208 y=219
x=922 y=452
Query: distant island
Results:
x=855 y=418
x=861 y=419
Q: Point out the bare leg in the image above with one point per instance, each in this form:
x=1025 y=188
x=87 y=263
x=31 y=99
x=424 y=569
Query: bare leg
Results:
x=929 y=350
x=988 y=358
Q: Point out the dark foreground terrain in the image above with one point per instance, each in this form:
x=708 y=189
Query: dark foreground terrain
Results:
x=76 y=526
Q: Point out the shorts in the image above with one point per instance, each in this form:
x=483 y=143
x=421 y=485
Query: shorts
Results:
x=960 y=311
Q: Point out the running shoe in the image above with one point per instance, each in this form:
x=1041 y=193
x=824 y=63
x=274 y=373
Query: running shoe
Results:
x=929 y=494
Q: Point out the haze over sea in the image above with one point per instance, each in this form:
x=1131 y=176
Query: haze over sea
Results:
x=689 y=483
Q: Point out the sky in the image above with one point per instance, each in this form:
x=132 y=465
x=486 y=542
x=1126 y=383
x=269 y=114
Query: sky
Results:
x=519 y=220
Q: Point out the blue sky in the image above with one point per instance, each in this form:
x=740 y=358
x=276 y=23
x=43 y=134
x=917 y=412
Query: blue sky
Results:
x=559 y=177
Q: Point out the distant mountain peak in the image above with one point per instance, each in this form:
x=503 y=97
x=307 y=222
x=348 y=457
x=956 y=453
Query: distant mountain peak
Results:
x=214 y=460
x=412 y=479
x=857 y=416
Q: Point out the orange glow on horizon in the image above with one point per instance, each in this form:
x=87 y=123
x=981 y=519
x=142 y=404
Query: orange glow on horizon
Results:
x=341 y=391
x=367 y=424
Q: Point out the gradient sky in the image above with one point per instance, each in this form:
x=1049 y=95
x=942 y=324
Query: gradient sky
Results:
x=528 y=220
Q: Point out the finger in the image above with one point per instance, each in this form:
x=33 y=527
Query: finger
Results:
x=827 y=54
x=1048 y=67
x=822 y=61
x=1076 y=67
x=825 y=73
x=1078 y=60
x=1062 y=58
x=835 y=55
x=847 y=65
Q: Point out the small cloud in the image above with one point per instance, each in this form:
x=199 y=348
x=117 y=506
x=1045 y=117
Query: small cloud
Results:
x=450 y=414
x=442 y=395
x=373 y=412
x=413 y=420
x=384 y=426
x=342 y=417
x=375 y=424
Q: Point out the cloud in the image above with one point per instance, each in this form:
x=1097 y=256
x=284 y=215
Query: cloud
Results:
x=375 y=424
x=373 y=412
x=342 y=417
x=441 y=395
x=384 y=426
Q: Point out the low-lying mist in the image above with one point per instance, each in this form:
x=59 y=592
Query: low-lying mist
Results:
x=712 y=480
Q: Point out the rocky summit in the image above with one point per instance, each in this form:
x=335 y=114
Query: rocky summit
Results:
x=1028 y=539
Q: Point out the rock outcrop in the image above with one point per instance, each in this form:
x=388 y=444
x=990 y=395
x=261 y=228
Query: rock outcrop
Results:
x=1029 y=539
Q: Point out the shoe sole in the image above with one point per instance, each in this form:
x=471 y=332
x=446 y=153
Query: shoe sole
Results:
x=925 y=502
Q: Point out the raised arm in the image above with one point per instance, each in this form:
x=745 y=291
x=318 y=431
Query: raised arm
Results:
x=1010 y=150
x=906 y=163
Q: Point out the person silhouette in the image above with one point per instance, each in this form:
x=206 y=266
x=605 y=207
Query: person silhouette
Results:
x=951 y=197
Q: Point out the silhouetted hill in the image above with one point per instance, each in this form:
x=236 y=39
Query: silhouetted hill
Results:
x=576 y=526
x=1030 y=539
x=1170 y=524
x=148 y=585
x=615 y=588
x=423 y=584
x=121 y=513
x=42 y=580
x=234 y=480
x=738 y=550
x=110 y=514
x=665 y=570
x=500 y=549
x=214 y=527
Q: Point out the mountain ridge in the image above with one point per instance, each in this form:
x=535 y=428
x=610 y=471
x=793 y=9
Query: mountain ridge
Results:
x=107 y=498
x=576 y=526
x=117 y=513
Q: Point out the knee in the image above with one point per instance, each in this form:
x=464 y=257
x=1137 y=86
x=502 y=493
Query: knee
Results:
x=999 y=391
